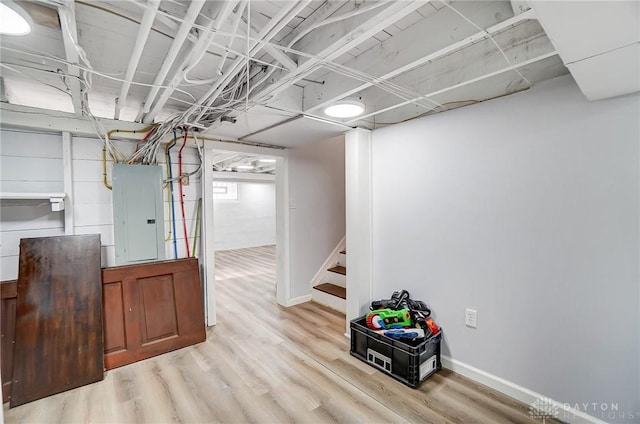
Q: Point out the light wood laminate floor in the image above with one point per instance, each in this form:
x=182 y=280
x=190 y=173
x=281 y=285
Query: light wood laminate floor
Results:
x=266 y=364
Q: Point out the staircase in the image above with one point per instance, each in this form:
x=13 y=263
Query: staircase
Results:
x=332 y=291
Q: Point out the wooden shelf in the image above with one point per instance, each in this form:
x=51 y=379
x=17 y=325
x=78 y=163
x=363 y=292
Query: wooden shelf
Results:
x=56 y=199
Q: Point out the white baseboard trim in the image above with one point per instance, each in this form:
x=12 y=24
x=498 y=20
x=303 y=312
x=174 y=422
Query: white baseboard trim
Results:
x=331 y=261
x=565 y=412
x=299 y=300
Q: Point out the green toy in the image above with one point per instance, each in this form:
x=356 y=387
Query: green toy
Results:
x=382 y=319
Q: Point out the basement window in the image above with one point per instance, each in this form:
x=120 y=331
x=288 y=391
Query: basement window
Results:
x=225 y=191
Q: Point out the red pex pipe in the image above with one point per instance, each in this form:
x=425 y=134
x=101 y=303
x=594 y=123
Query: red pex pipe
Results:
x=146 y=137
x=184 y=222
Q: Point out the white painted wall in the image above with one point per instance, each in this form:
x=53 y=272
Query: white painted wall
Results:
x=249 y=221
x=316 y=208
x=32 y=162
x=525 y=208
x=29 y=162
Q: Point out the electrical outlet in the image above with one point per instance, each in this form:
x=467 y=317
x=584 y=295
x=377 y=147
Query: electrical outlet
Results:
x=471 y=318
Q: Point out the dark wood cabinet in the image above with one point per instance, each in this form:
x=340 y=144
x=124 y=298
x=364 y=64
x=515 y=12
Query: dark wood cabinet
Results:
x=151 y=309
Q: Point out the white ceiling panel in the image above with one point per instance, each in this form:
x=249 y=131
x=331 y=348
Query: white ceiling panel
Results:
x=581 y=29
x=610 y=74
x=298 y=132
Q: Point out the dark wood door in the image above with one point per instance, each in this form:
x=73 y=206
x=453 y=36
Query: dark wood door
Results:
x=58 y=317
x=151 y=309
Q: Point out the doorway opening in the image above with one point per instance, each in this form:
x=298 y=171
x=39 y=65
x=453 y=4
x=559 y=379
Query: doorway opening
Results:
x=245 y=211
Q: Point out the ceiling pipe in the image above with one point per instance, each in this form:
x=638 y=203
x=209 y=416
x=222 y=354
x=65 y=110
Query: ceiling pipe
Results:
x=172 y=54
x=275 y=25
x=196 y=53
x=143 y=33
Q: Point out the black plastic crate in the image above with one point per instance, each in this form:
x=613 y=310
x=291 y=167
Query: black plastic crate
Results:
x=410 y=362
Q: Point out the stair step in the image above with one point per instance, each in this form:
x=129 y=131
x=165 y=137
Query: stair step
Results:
x=338 y=269
x=344 y=251
x=332 y=289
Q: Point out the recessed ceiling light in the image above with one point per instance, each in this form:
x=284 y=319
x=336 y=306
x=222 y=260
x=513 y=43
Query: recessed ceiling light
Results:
x=345 y=109
x=13 y=20
x=267 y=160
x=244 y=167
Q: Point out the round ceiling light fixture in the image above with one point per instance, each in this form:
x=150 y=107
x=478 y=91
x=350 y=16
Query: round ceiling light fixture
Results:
x=346 y=108
x=13 y=19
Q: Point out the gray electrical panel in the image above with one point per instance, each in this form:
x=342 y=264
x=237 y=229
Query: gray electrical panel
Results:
x=138 y=215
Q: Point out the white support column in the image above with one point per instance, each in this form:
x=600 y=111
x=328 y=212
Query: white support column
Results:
x=208 y=260
x=282 y=232
x=358 y=211
x=67 y=162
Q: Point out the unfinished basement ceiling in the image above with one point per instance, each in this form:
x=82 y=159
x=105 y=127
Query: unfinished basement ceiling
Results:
x=243 y=163
x=186 y=62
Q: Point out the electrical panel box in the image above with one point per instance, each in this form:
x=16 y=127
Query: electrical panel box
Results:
x=138 y=215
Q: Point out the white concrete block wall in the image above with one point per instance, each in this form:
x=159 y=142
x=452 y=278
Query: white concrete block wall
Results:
x=249 y=221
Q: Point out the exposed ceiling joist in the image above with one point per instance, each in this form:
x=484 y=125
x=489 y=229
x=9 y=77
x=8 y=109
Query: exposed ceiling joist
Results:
x=323 y=12
x=223 y=157
x=70 y=37
x=195 y=55
x=333 y=90
x=235 y=19
x=278 y=55
x=506 y=68
x=394 y=12
x=136 y=54
x=275 y=25
x=172 y=54
x=254 y=65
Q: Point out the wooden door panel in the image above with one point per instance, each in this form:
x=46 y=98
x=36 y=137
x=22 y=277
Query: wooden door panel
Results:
x=189 y=301
x=59 y=343
x=115 y=334
x=8 y=328
x=158 y=305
